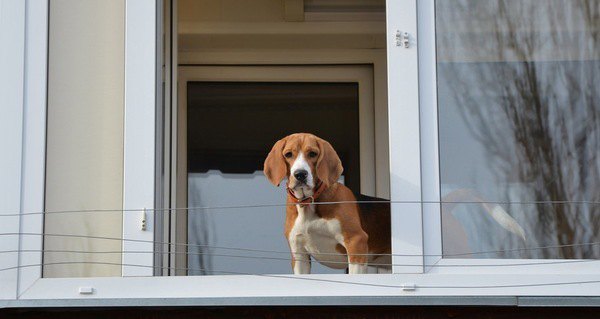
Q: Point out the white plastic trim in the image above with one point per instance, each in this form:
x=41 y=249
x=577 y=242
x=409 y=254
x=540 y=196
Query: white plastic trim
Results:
x=432 y=223
x=139 y=136
x=34 y=140
x=12 y=61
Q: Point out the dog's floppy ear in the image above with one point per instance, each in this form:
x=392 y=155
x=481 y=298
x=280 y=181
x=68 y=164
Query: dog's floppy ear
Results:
x=275 y=168
x=329 y=166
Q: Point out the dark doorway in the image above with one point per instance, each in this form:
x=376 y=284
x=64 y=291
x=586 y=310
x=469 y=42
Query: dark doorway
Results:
x=233 y=125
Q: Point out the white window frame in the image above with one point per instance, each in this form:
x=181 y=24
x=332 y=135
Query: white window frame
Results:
x=23 y=26
x=25 y=29
x=430 y=160
x=12 y=77
x=410 y=159
x=139 y=173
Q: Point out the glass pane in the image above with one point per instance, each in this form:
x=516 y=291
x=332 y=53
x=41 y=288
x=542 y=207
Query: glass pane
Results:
x=519 y=121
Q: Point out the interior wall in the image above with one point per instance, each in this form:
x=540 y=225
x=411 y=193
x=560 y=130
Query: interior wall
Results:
x=84 y=165
x=231 y=11
x=209 y=25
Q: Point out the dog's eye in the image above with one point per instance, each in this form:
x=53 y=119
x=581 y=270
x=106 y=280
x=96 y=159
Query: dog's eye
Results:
x=312 y=154
x=288 y=154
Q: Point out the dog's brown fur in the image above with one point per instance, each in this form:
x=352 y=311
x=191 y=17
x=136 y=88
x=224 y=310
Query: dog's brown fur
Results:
x=366 y=229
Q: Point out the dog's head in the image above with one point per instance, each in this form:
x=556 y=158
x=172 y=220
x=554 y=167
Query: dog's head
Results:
x=305 y=160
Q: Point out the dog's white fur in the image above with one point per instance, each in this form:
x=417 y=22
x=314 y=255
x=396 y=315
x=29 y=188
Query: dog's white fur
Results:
x=312 y=235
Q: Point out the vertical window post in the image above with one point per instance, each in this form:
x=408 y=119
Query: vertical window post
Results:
x=12 y=31
x=139 y=144
x=432 y=222
x=34 y=142
x=405 y=151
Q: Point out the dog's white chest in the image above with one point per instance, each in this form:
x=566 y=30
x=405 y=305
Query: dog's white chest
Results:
x=318 y=237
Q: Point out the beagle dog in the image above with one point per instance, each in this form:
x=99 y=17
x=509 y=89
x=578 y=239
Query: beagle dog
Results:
x=338 y=235
x=346 y=232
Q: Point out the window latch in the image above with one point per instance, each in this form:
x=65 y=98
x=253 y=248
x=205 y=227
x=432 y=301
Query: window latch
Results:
x=408 y=287
x=402 y=39
x=86 y=290
x=143 y=220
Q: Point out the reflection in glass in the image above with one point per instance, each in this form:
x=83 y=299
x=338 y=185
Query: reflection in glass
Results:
x=519 y=107
x=258 y=230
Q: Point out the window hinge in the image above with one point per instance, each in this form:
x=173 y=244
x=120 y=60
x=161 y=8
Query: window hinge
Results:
x=402 y=39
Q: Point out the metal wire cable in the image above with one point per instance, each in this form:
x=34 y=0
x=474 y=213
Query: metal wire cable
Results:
x=288 y=252
x=318 y=279
x=551 y=262
x=204 y=209
x=208 y=209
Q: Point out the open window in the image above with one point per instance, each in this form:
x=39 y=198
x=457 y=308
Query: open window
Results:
x=477 y=119
x=517 y=122
x=230 y=108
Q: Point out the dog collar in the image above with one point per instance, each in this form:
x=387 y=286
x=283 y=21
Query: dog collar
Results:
x=310 y=199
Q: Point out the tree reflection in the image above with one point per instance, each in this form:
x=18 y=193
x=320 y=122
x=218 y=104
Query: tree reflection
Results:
x=524 y=76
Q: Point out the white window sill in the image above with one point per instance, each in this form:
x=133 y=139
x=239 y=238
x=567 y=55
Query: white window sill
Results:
x=431 y=289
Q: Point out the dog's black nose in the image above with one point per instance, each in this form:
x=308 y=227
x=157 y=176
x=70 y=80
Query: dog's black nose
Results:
x=301 y=175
